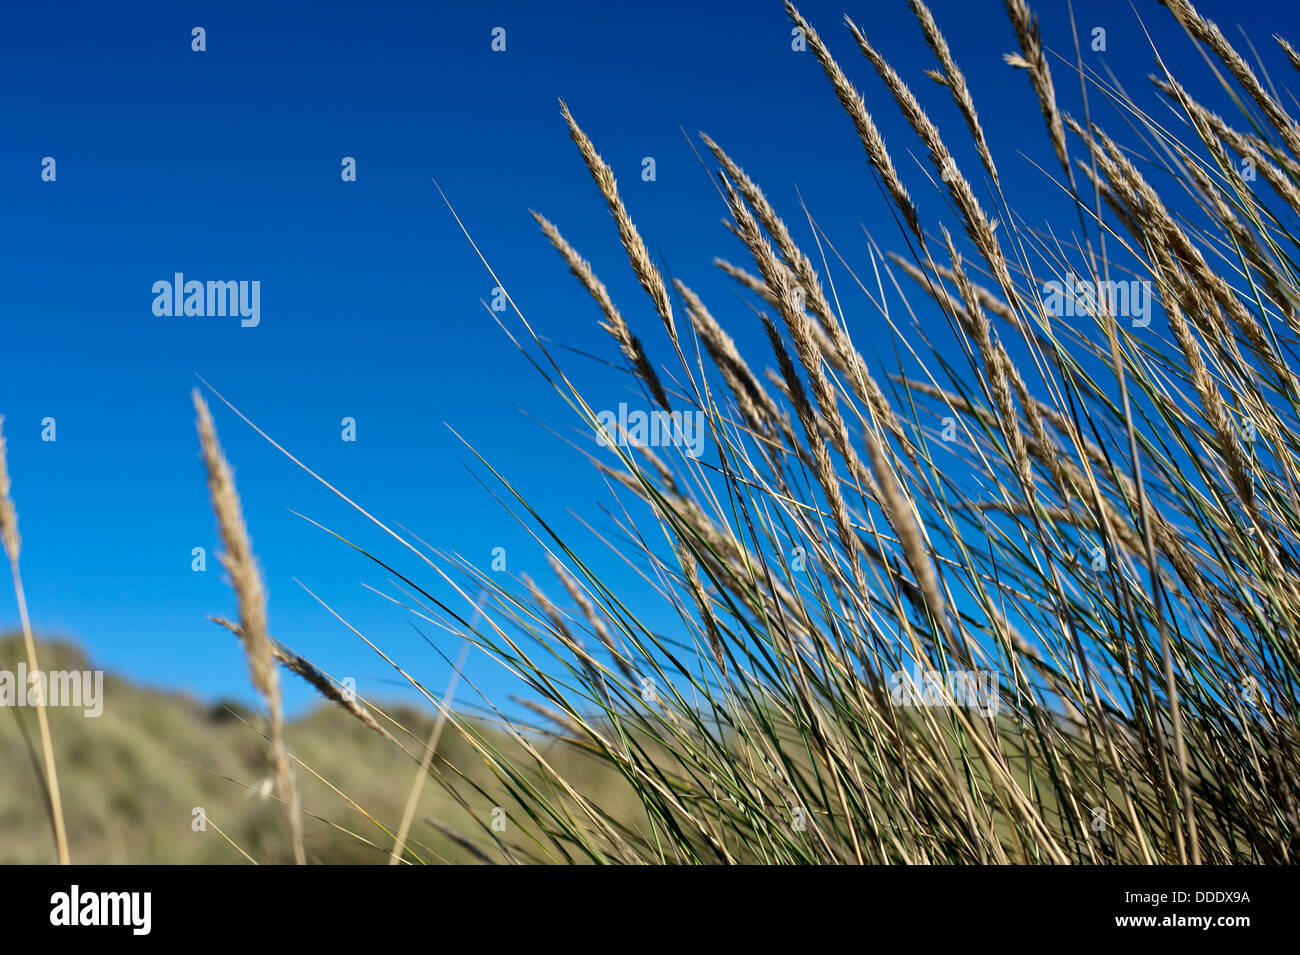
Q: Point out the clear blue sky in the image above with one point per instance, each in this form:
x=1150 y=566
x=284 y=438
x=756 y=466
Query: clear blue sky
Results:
x=225 y=165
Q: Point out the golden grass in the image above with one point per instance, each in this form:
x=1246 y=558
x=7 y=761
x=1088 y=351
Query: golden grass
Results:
x=12 y=542
x=246 y=580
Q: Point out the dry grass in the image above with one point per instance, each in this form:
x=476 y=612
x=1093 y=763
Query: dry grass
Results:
x=1099 y=516
x=12 y=542
x=246 y=580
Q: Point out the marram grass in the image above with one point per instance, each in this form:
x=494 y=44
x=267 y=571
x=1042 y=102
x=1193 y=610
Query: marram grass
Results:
x=1120 y=560
x=1093 y=509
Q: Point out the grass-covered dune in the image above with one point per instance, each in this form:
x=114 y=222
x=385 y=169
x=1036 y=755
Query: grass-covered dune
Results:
x=132 y=777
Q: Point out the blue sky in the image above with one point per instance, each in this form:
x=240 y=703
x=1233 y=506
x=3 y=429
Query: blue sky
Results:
x=225 y=165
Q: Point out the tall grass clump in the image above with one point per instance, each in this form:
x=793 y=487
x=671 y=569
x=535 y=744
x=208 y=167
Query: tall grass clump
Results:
x=1098 y=515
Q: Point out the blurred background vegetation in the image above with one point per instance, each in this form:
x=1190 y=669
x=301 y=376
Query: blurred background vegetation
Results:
x=132 y=778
